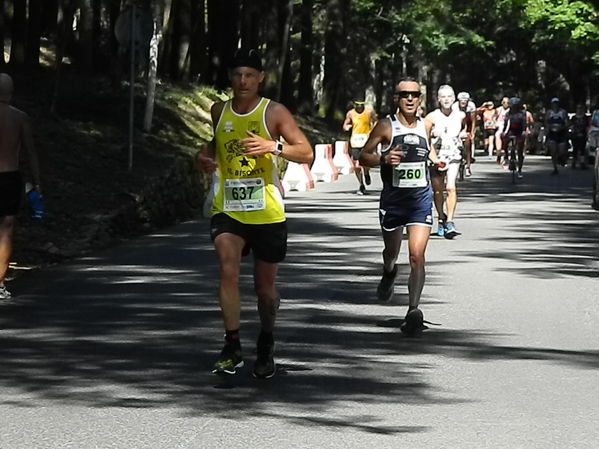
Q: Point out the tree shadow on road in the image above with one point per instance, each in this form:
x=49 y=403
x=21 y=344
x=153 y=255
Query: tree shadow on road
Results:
x=139 y=327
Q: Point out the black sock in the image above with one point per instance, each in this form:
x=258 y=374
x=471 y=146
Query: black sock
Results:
x=232 y=337
x=265 y=338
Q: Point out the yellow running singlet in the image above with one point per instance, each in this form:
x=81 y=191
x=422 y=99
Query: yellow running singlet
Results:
x=245 y=188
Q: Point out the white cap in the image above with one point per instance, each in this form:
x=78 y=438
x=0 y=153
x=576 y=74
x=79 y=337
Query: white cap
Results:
x=463 y=96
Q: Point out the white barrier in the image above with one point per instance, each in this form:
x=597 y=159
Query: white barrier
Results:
x=323 y=168
x=342 y=160
x=297 y=177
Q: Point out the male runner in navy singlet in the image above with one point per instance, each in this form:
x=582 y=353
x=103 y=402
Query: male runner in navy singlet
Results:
x=406 y=198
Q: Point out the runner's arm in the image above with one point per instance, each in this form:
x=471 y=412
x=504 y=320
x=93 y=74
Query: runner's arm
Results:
x=432 y=155
x=347 y=123
x=379 y=135
x=281 y=123
x=206 y=157
x=29 y=147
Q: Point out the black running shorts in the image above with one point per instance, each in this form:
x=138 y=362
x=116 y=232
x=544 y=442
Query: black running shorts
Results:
x=11 y=192
x=355 y=153
x=268 y=242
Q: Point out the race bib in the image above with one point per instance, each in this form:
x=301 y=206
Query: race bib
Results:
x=410 y=175
x=358 y=140
x=244 y=195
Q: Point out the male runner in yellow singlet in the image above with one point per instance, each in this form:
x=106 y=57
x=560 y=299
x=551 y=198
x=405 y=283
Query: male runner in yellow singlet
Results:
x=247 y=206
x=360 y=121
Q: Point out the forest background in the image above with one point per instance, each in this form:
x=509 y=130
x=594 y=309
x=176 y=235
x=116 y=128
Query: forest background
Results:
x=71 y=73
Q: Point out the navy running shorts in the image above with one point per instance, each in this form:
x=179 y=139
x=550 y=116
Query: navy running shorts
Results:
x=11 y=193
x=268 y=242
x=417 y=215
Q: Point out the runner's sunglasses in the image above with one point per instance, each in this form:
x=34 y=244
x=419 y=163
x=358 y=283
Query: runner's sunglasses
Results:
x=407 y=93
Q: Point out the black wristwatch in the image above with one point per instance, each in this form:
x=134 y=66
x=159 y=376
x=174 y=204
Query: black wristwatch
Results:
x=278 y=148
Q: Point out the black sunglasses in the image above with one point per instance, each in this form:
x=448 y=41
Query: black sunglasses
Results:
x=407 y=93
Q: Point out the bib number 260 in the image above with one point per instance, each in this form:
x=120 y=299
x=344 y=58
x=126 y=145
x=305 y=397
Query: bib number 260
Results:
x=410 y=175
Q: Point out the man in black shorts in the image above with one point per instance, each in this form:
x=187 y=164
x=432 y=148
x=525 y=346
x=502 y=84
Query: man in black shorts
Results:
x=15 y=135
x=406 y=198
x=359 y=120
x=247 y=206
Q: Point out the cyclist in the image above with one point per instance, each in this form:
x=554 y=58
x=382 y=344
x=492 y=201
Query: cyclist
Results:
x=447 y=126
x=406 y=195
x=556 y=127
x=359 y=120
x=515 y=125
x=500 y=112
x=467 y=106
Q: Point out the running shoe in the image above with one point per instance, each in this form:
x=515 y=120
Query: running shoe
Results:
x=519 y=174
x=361 y=190
x=265 y=366
x=4 y=293
x=468 y=172
x=441 y=229
x=367 y=178
x=386 y=287
x=229 y=361
x=413 y=322
x=450 y=230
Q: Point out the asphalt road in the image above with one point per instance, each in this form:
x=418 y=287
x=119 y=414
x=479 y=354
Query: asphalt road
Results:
x=114 y=350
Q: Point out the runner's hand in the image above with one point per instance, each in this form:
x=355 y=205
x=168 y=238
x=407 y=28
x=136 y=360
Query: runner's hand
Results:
x=256 y=145
x=394 y=156
x=205 y=163
x=440 y=165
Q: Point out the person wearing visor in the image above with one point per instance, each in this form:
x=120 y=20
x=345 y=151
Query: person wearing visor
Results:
x=406 y=198
x=556 y=127
x=247 y=211
x=448 y=126
x=467 y=106
x=359 y=120
x=514 y=127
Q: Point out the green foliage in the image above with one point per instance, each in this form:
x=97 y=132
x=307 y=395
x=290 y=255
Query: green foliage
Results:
x=573 y=23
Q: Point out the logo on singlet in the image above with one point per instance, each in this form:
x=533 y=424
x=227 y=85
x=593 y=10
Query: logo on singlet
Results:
x=228 y=127
x=254 y=127
x=411 y=139
x=234 y=149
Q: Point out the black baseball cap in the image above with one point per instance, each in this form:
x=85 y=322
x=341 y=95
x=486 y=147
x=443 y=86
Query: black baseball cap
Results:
x=245 y=57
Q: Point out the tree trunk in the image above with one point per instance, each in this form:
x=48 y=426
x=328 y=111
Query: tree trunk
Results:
x=157 y=14
x=250 y=24
x=305 y=90
x=335 y=56
x=34 y=31
x=2 y=25
x=223 y=35
x=197 y=46
x=19 y=33
x=85 y=47
x=285 y=15
x=64 y=20
x=180 y=38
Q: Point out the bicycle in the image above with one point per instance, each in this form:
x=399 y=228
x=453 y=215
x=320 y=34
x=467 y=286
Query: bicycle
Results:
x=510 y=152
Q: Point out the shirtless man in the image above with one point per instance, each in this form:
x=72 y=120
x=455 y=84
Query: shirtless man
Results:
x=15 y=135
x=448 y=126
